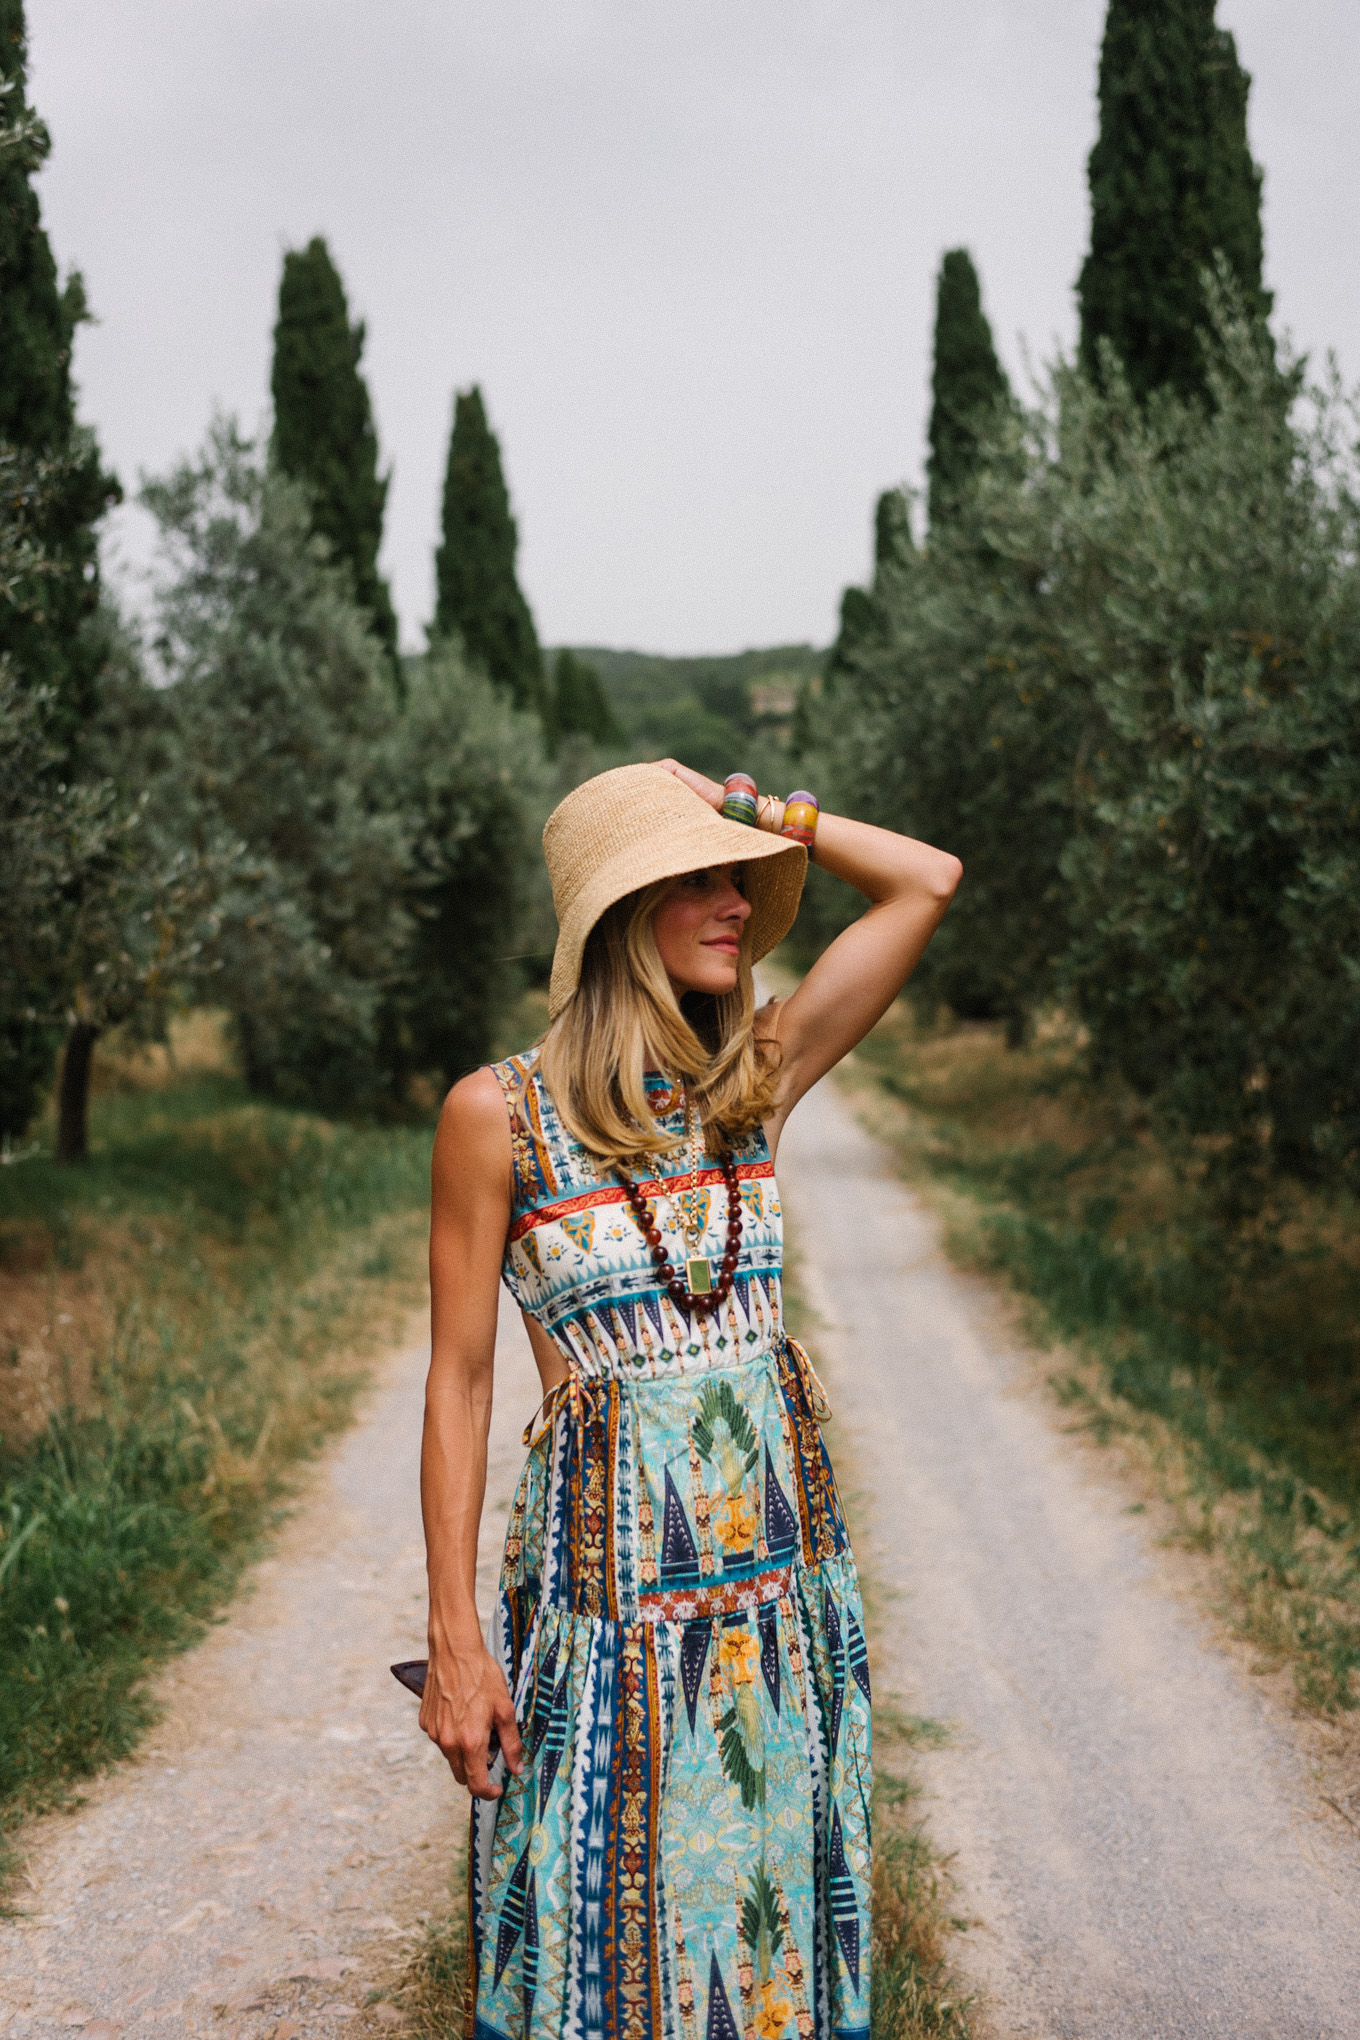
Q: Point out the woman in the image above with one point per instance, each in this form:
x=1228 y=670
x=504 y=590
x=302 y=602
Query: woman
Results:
x=667 y=1739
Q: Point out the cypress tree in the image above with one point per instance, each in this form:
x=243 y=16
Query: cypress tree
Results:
x=1173 y=185
x=49 y=642
x=967 y=380
x=894 y=546
x=580 y=706
x=478 y=595
x=323 y=424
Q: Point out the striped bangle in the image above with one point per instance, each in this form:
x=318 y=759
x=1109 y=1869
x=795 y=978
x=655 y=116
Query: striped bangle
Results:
x=739 y=799
x=800 y=818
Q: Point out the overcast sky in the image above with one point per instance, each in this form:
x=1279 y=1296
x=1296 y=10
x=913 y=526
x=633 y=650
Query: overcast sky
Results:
x=687 y=248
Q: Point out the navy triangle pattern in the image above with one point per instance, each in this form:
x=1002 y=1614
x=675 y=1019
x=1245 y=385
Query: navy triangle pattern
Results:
x=693 y=1657
x=781 y=1525
x=859 y=1659
x=555 y=1741
x=543 y=1699
x=833 y=1638
x=627 y=1310
x=721 y=2024
x=512 y=1915
x=529 y=1969
x=767 y=1617
x=844 y=1911
x=679 y=1553
x=652 y=1306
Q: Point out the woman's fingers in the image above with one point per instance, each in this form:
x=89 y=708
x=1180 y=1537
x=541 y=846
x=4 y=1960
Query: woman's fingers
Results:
x=707 y=789
x=508 y=1730
x=477 y=1770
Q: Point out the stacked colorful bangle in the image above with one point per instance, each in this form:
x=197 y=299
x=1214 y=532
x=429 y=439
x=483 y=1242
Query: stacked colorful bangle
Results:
x=741 y=803
x=739 y=799
x=800 y=818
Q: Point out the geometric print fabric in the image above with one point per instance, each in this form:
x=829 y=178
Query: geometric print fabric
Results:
x=687 y=1856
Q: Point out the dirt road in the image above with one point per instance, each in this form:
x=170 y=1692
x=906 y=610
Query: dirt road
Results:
x=1135 y=1833
x=286 y=1826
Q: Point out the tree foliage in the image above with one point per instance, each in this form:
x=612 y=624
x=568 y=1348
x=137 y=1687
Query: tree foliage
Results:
x=1173 y=186
x=1123 y=686
x=49 y=641
x=324 y=435
x=377 y=849
x=579 y=706
x=967 y=381
x=478 y=597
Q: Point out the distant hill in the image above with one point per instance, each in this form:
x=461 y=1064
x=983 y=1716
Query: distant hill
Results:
x=719 y=714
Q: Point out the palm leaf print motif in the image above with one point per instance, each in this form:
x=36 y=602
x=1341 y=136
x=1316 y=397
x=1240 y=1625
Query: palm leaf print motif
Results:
x=739 y=1733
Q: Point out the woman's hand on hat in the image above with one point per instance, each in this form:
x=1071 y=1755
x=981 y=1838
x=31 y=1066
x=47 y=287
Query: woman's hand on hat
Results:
x=707 y=789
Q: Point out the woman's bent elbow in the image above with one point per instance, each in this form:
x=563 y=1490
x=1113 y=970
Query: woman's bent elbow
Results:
x=945 y=878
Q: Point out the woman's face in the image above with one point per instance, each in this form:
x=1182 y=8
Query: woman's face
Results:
x=698 y=929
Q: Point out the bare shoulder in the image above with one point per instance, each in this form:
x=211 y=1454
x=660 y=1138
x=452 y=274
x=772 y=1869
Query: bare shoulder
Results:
x=474 y=1129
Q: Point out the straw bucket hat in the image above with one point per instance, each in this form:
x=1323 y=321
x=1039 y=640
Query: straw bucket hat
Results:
x=626 y=828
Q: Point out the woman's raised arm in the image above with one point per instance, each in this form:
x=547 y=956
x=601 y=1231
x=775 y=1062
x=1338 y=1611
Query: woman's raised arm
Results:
x=852 y=984
x=856 y=978
x=465 y=1691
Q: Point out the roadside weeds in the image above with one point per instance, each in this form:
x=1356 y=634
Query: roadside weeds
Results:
x=216 y=1337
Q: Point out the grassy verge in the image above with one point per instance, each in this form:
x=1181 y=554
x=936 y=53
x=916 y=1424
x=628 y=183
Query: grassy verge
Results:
x=183 y=1320
x=1227 y=1369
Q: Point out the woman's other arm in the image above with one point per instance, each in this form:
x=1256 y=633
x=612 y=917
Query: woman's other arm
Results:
x=856 y=978
x=465 y=1691
x=852 y=984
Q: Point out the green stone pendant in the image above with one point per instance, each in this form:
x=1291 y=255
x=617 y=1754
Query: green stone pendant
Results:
x=699 y=1275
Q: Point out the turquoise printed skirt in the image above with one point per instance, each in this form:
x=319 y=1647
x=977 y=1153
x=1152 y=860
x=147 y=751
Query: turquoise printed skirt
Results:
x=687 y=1853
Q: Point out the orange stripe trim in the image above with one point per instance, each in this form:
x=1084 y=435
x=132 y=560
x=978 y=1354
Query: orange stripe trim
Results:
x=614 y=1193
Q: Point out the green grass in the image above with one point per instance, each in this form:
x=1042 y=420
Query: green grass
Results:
x=1227 y=1366
x=228 y=1266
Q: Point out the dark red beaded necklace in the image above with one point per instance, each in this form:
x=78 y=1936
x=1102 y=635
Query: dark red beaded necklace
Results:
x=680 y=1293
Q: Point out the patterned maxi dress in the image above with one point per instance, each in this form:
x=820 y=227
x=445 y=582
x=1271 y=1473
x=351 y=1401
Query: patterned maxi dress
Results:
x=687 y=1854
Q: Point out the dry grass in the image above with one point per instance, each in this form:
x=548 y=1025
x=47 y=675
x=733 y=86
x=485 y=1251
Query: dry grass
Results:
x=184 y=1319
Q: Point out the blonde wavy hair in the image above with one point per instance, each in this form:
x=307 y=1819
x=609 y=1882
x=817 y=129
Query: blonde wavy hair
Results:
x=623 y=1013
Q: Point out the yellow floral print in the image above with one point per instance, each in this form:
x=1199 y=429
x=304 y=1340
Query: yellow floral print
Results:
x=775 y=2009
x=735 y=1523
x=740 y=1656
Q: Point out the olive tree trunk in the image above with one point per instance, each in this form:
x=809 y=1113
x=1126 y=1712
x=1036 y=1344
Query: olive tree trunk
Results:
x=73 y=1096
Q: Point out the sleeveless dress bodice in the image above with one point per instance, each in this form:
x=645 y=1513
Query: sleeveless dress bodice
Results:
x=679 y=1622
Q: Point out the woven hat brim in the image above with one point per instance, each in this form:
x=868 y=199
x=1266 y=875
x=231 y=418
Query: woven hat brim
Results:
x=776 y=868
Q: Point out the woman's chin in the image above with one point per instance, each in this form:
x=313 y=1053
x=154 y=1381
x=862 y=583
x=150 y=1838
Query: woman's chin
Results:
x=716 y=976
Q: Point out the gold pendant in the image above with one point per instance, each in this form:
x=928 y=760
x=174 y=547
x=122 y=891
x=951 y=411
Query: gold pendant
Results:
x=699 y=1275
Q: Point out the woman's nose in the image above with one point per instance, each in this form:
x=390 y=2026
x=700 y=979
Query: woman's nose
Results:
x=735 y=907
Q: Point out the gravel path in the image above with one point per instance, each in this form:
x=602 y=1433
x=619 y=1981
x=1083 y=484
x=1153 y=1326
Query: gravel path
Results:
x=1135 y=1833
x=271 y=1853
